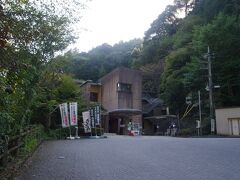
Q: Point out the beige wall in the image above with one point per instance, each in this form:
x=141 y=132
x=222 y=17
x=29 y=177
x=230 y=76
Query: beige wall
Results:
x=95 y=89
x=222 y=119
x=109 y=91
x=111 y=99
x=85 y=92
x=134 y=78
x=88 y=88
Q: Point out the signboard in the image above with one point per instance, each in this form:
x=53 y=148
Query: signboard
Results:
x=97 y=115
x=198 y=124
x=92 y=116
x=64 y=114
x=86 y=121
x=73 y=113
x=212 y=125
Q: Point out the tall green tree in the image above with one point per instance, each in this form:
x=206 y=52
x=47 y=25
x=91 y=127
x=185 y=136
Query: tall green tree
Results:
x=222 y=36
x=98 y=61
x=30 y=33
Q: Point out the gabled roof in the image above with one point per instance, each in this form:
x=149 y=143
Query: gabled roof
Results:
x=90 y=82
x=151 y=103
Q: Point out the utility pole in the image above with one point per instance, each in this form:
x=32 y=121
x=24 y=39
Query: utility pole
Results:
x=200 y=112
x=210 y=84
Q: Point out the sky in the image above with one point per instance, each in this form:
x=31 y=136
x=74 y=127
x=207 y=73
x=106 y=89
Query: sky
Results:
x=112 y=21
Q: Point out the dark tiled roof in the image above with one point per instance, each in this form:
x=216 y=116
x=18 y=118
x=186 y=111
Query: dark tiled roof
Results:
x=151 y=103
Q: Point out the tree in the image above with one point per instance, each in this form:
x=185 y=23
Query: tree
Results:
x=187 y=5
x=30 y=33
x=164 y=25
x=222 y=35
x=98 y=61
x=55 y=88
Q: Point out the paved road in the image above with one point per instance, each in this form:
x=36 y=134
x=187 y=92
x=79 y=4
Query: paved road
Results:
x=136 y=158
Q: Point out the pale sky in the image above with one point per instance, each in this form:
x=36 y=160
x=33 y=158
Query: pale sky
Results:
x=111 y=21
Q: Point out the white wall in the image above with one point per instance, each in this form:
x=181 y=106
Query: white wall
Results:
x=222 y=119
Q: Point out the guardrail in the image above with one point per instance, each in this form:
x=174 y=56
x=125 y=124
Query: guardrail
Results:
x=10 y=146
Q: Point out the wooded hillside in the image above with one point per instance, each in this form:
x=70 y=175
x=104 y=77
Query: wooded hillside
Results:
x=172 y=55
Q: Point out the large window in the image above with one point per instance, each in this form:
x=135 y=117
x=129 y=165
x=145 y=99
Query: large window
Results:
x=124 y=87
x=93 y=97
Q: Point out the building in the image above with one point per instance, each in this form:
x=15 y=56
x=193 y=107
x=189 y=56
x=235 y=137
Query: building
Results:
x=91 y=92
x=228 y=121
x=156 y=117
x=119 y=92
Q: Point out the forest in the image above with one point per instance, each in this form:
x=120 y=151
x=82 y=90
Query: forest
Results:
x=171 y=56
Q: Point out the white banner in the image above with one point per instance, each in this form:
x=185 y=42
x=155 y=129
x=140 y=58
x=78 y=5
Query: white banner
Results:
x=73 y=113
x=86 y=121
x=64 y=114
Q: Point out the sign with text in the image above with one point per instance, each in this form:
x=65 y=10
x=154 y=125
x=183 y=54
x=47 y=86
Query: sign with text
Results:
x=97 y=115
x=86 y=121
x=92 y=116
x=73 y=113
x=64 y=114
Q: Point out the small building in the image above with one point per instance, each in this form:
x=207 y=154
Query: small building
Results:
x=228 y=121
x=91 y=92
x=119 y=93
x=156 y=117
x=121 y=97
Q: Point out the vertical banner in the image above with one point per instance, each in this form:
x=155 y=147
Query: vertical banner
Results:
x=64 y=114
x=73 y=113
x=92 y=117
x=86 y=121
x=97 y=115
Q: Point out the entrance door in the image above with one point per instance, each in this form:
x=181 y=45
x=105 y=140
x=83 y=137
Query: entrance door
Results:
x=235 y=127
x=113 y=125
x=122 y=127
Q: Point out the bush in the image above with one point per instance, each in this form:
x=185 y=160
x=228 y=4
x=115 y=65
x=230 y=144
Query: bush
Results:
x=30 y=144
x=187 y=132
x=32 y=140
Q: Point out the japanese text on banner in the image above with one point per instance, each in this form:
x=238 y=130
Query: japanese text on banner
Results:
x=64 y=114
x=73 y=113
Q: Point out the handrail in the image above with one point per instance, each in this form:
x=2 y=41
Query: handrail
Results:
x=9 y=150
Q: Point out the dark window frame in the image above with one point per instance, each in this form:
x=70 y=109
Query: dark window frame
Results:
x=93 y=96
x=124 y=87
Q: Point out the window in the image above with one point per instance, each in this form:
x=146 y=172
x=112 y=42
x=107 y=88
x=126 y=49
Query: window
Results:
x=93 y=96
x=124 y=87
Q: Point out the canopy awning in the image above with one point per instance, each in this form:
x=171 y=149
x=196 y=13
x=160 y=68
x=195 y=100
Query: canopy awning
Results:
x=125 y=112
x=163 y=120
x=161 y=117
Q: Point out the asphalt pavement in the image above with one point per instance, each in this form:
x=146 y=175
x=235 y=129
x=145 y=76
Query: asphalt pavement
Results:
x=136 y=158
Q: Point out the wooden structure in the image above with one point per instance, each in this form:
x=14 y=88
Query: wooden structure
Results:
x=119 y=92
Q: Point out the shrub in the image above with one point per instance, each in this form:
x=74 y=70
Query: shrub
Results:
x=187 y=132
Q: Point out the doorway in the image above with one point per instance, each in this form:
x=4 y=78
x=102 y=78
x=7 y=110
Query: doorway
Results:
x=234 y=126
x=113 y=125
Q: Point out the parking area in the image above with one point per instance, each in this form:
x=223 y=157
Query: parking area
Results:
x=142 y=157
